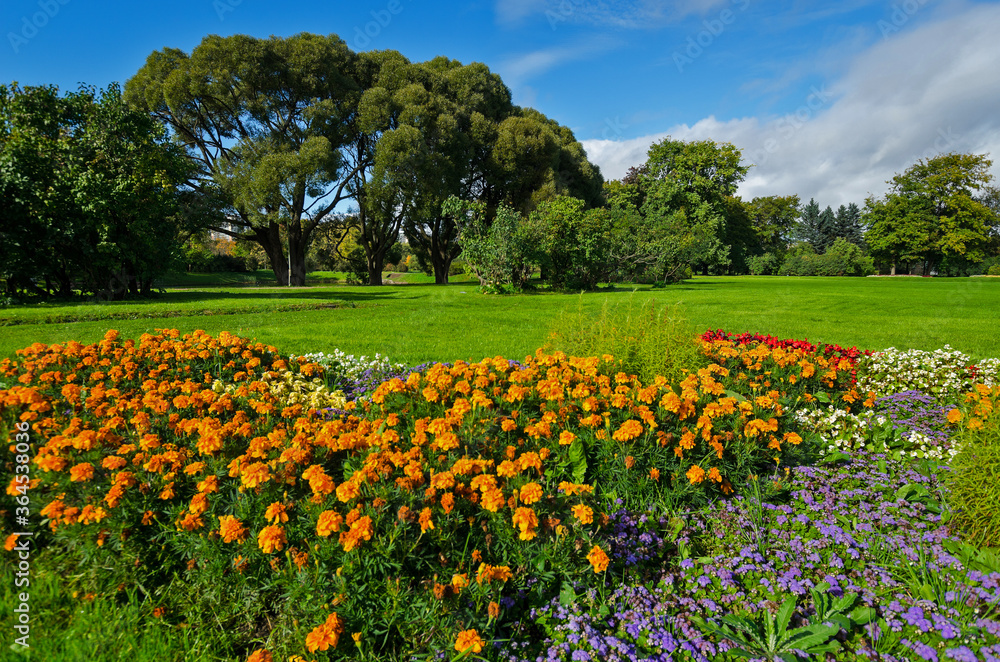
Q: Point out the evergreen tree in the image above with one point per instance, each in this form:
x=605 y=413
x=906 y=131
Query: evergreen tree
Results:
x=848 y=224
x=826 y=230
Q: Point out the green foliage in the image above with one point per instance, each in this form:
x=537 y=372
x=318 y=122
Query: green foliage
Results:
x=645 y=339
x=498 y=254
x=770 y=636
x=763 y=265
x=90 y=194
x=974 y=481
x=842 y=258
x=687 y=185
x=573 y=246
x=934 y=212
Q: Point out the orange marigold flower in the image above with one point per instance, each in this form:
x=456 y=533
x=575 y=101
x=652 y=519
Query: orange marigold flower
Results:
x=654 y=473
x=260 y=655
x=493 y=500
x=255 y=474
x=583 y=513
x=792 y=438
x=10 y=542
x=629 y=430
x=81 y=472
x=629 y=461
x=469 y=639
x=695 y=474
x=271 y=539
x=493 y=610
x=598 y=559
x=447 y=502
x=507 y=425
x=231 y=529
x=526 y=520
x=276 y=513
x=329 y=522
x=954 y=416
x=714 y=475
x=566 y=438
x=458 y=582
x=348 y=490
x=326 y=635
x=531 y=493
x=425 y=520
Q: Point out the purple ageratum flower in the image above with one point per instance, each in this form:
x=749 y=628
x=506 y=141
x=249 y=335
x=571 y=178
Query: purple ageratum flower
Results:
x=923 y=650
x=961 y=654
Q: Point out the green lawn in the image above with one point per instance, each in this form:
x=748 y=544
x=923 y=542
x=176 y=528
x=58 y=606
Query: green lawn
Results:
x=420 y=322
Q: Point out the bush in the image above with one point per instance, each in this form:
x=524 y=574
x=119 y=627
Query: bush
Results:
x=994 y=270
x=973 y=480
x=763 y=265
x=644 y=339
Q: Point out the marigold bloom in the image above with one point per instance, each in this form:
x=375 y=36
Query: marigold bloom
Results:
x=695 y=474
x=255 y=474
x=531 y=493
x=954 y=416
x=469 y=639
x=447 y=502
x=629 y=430
x=326 y=635
x=583 y=513
x=231 y=529
x=458 y=582
x=598 y=559
x=566 y=438
x=81 y=472
x=425 y=520
x=329 y=522
x=271 y=539
x=714 y=475
x=654 y=474
x=493 y=500
x=526 y=520
x=260 y=655
x=348 y=490
x=276 y=513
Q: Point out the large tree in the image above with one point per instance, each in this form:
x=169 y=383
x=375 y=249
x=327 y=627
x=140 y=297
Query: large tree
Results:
x=687 y=188
x=90 y=193
x=934 y=212
x=773 y=219
x=269 y=123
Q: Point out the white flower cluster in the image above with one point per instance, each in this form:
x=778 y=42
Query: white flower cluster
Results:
x=353 y=367
x=942 y=373
x=844 y=432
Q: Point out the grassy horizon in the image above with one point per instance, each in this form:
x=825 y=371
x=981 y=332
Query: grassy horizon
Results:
x=424 y=322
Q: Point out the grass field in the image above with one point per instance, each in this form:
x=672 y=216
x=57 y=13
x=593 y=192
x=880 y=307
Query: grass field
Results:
x=419 y=322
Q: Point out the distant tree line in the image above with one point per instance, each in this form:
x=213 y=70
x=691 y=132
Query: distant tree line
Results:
x=244 y=152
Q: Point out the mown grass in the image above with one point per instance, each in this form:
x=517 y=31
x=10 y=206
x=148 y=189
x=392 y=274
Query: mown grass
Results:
x=423 y=322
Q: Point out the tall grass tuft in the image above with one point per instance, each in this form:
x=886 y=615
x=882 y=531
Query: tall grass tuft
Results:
x=973 y=480
x=645 y=339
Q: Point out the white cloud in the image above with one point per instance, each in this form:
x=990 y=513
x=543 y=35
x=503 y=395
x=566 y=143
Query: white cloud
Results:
x=917 y=93
x=605 y=13
x=525 y=67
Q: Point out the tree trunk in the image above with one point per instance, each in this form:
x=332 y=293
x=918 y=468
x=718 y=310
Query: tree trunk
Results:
x=441 y=268
x=892 y=271
x=374 y=272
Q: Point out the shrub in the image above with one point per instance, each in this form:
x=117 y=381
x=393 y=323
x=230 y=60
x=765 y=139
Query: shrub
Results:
x=763 y=265
x=994 y=270
x=974 y=481
x=644 y=339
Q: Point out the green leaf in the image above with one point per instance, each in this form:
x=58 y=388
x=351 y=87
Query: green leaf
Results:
x=784 y=616
x=567 y=595
x=835 y=457
x=578 y=461
x=734 y=394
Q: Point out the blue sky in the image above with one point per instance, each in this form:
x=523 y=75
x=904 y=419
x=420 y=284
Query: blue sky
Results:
x=828 y=100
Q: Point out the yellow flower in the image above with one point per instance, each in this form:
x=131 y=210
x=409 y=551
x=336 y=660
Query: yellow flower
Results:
x=271 y=539
x=566 y=437
x=231 y=529
x=598 y=559
x=583 y=513
x=954 y=416
x=531 y=493
x=527 y=521
x=629 y=430
x=695 y=474
x=469 y=639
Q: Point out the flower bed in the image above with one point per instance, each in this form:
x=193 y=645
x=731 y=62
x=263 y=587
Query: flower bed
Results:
x=466 y=497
